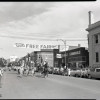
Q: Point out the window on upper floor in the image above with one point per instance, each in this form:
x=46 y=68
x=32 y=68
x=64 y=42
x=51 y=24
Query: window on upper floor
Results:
x=97 y=57
x=96 y=38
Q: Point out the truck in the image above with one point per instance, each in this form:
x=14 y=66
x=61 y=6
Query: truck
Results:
x=94 y=73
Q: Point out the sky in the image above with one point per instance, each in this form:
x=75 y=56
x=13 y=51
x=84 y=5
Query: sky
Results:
x=43 y=23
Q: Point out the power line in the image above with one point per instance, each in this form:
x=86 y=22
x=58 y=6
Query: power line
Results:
x=36 y=38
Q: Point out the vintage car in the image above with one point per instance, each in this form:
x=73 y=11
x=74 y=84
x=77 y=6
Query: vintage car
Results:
x=84 y=72
x=56 y=70
x=50 y=70
x=94 y=73
x=75 y=72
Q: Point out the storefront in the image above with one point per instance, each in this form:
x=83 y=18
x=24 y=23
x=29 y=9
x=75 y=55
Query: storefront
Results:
x=48 y=55
x=76 y=58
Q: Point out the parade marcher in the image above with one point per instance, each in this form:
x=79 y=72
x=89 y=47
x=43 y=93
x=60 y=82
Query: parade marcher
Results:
x=45 y=71
x=1 y=74
x=32 y=68
x=27 y=70
x=21 y=69
x=32 y=71
x=18 y=68
x=64 y=70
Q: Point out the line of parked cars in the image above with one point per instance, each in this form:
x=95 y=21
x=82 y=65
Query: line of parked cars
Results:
x=86 y=72
x=56 y=70
x=79 y=72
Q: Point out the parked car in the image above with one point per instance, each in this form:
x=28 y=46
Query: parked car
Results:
x=94 y=73
x=75 y=72
x=50 y=70
x=84 y=72
x=61 y=71
x=56 y=70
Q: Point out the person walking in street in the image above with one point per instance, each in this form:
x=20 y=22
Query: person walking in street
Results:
x=1 y=74
x=21 y=69
x=64 y=73
x=45 y=71
x=32 y=68
x=27 y=70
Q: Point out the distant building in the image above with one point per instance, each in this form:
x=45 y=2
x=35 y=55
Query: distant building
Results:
x=13 y=58
x=76 y=56
x=49 y=55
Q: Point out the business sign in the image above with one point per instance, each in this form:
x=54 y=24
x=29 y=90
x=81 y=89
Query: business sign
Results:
x=58 y=56
x=23 y=45
x=75 y=53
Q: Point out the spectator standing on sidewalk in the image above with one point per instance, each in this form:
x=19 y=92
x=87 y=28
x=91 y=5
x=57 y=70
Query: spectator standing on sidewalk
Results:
x=64 y=70
x=68 y=71
x=1 y=74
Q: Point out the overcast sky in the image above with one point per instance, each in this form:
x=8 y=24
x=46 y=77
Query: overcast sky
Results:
x=43 y=20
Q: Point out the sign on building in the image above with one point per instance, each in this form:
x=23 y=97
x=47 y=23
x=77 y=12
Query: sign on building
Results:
x=58 y=56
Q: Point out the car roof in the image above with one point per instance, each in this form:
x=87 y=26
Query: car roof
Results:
x=97 y=68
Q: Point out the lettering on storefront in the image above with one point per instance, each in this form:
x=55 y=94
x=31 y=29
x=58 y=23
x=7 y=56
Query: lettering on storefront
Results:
x=74 y=53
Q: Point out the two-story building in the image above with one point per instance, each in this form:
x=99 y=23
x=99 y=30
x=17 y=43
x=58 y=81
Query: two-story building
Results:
x=75 y=58
x=94 y=44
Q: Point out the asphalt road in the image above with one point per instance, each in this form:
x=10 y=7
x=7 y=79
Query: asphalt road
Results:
x=52 y=87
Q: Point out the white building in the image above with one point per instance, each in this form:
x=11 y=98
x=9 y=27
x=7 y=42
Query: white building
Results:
x=94 y=43
x=13 y=58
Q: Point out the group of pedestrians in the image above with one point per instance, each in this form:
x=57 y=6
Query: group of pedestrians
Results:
x=65 y=70
x=27 y=68
x=1 y=74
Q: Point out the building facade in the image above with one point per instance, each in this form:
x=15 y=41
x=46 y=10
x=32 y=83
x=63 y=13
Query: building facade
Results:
x=48 y=55
x=76 y=58
x=94 y=44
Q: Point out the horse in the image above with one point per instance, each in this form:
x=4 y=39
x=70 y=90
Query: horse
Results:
x=45 y=70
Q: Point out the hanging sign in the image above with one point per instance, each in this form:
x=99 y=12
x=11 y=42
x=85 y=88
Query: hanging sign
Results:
x=22 y=45
x=58 y=56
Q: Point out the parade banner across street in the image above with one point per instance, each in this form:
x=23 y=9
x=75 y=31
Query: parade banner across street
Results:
x=35 y=46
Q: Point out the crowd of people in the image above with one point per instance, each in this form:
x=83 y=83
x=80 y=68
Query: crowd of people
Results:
x=26 y=68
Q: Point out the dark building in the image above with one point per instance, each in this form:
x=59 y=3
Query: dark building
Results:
x=75 y=58
x=48 y=55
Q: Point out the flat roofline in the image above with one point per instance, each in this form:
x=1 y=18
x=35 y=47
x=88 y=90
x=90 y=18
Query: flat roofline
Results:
x=73 y=49
x=92 y=26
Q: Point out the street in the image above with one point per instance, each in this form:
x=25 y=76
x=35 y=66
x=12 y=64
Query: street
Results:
x=51 y=87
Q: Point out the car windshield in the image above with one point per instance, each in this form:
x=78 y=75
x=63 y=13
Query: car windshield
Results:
x=83 y=69
x=97 y=70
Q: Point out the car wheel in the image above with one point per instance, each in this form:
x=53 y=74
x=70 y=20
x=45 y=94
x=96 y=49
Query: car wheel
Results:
x=89 y=76
x=75 y=75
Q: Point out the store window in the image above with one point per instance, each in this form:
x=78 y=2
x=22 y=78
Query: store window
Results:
x=97 y=57
x=96 y=38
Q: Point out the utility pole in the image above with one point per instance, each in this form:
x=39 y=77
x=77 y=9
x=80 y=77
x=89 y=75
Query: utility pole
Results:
x=64 y=41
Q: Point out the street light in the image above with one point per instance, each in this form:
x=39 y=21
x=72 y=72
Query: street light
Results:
x=64 y=41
